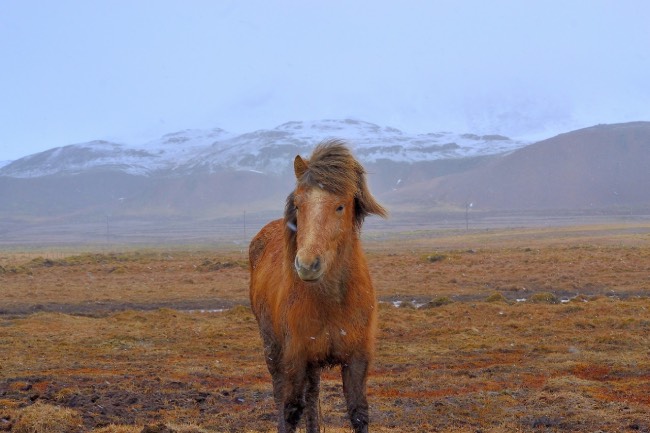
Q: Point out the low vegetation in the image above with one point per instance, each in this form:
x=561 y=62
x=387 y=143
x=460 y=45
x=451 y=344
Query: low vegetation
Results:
x=534 y=332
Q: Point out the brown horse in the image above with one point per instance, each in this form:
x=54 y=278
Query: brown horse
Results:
x=310 y=288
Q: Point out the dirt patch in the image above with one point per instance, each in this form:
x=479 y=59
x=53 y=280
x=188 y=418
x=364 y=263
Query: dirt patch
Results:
x=105 y=402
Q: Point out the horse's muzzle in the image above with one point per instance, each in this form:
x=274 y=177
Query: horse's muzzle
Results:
x=309 y=270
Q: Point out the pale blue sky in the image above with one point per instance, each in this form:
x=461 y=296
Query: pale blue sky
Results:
x=130 y=71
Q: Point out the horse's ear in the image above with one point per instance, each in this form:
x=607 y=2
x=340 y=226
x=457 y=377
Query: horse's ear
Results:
x=299 y=166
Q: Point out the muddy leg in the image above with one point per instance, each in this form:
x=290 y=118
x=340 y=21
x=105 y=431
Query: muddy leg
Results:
x=278 y=380
x=273 y=358
x=311 y=399
x=293 y=398
x=272 y=355
x=354 y=388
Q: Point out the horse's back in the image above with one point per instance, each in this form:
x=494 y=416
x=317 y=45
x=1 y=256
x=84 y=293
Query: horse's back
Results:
x=268 y=238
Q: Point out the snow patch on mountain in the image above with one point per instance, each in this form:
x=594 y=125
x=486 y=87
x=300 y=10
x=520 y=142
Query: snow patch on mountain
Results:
x=273 y=150
x=265 y=150
x=77 y=158
x=179 y=147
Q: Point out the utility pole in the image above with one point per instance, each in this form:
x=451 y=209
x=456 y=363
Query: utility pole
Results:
x=467 y=206
x=108 y=231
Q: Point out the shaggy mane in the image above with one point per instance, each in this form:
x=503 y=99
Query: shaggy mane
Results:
x=332 y=168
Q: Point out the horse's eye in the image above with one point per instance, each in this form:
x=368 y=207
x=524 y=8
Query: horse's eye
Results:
x=340 y=208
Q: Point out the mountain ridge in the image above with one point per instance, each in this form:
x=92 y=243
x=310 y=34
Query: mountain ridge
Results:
x=264 y=150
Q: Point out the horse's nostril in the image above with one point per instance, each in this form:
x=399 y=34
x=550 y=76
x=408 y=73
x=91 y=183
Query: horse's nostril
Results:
x=308 y=269
x=316 y=265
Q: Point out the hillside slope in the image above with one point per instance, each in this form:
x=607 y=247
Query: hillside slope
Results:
x=599 y=167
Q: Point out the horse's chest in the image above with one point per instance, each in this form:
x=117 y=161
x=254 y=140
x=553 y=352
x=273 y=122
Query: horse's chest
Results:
x=329 y=345
x=324 y=336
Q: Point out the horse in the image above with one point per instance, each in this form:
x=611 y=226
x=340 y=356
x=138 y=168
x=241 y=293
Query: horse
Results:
x=310 y=289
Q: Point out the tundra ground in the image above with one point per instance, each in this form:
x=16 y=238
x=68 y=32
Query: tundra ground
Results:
x=481 y=331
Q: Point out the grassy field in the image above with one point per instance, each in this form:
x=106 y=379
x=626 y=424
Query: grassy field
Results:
x=510 y=330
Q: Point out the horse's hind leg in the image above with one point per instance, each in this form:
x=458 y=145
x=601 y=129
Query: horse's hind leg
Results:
x=278 y=390
x=273 y=363
x=273 y=358
x=354 y=388
x=311 y=399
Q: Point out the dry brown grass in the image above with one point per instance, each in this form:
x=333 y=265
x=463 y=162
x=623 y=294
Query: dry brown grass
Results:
x=479 y=361
x=46 y=418
x=118 y=429
x=118 y=281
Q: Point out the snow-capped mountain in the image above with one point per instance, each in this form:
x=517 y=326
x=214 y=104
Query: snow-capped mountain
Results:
x=266 y=150
x=205 y=174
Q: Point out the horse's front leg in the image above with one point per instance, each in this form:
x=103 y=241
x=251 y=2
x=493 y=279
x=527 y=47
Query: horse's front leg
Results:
x=354 y=374
x=293 y=398
x=311 y=399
